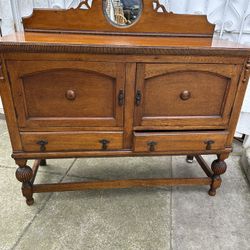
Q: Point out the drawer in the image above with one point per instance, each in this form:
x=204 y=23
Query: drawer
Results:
x=179 y=141
x=71 y=141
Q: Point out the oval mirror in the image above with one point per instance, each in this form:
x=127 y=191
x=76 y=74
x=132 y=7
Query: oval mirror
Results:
x=122 y=13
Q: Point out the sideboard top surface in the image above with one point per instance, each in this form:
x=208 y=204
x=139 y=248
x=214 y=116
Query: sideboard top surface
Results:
x=88 y=31
x=117 y=44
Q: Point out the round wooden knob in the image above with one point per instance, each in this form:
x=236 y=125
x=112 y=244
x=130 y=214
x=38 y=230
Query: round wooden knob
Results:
x=185 y=95
x=70 y=95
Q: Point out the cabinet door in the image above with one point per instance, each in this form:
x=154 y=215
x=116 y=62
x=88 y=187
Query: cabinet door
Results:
x=67 y=93
x=183 y=96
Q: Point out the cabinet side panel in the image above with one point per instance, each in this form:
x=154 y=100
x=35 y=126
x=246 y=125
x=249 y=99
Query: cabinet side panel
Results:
x=9 y=109
x=243 y=81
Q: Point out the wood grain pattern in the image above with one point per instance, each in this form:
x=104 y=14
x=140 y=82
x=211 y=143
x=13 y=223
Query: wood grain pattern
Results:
x=129 y=105
x=139 y=93
x=111 y=58
x=38 y=86
x=116 y=153
x=125 y=45
x=242 y=86
x=161 y=86
x=62 y=187
x=9 y=109
x=1 y=72
x=183 y=141
x=150 y=22
x=71 y=141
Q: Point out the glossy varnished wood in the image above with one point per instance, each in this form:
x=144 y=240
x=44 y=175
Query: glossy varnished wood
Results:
x=71 y=141
x=161 y=87
x=61 y=187
x=126 y=45
x=137 y=92
x=110 y=153
x=183 y=141
x=96 y=87
x=9 y=109
x=150 y=22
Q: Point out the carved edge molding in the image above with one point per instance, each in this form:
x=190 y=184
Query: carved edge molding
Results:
x=247 y=72
x=118 y=50
x=84 y=3
x=1 y=71
x=159 y=6
x=93 y=21
x=234 y=19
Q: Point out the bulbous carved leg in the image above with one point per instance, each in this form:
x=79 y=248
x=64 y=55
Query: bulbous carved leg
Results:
x=190 y=159
x=43 y=162
x=24 y=174
x=219 y=167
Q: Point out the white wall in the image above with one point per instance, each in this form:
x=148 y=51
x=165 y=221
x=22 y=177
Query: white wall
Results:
x=228 y=15
x=7 y=24
x=232 y=17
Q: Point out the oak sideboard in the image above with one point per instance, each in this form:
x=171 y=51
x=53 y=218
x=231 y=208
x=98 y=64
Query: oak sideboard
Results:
x=87 y=88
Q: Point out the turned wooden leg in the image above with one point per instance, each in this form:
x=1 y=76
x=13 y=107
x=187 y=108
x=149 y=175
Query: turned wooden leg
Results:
x=43 y=162
x=190 y=159
x=24 y=174
x=219 y=167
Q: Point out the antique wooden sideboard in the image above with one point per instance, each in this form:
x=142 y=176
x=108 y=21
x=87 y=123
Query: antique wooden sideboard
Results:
x=76 y=85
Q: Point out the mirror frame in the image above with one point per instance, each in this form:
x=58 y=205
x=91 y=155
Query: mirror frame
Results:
x=118 y=25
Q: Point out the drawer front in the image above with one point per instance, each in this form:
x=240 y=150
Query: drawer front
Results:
x=179 y=95
x=67 y=93
x=71 y=141
x=182 y=141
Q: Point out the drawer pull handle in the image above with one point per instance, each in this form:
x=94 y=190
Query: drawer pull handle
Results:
x=209 y=144
x=121 y=98
x=42 y=144
x=152 y=145
x=70 y=95
x=185 y=95
x=138 y=98
x=104 y=143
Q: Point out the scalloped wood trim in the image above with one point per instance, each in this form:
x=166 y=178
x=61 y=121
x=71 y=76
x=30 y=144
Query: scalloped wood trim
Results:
x=94 y=21
x=118 y=50
x=247 y=72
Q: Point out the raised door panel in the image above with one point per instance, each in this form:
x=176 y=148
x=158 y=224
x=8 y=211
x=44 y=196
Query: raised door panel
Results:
x=63 y=93
x=185 y=95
